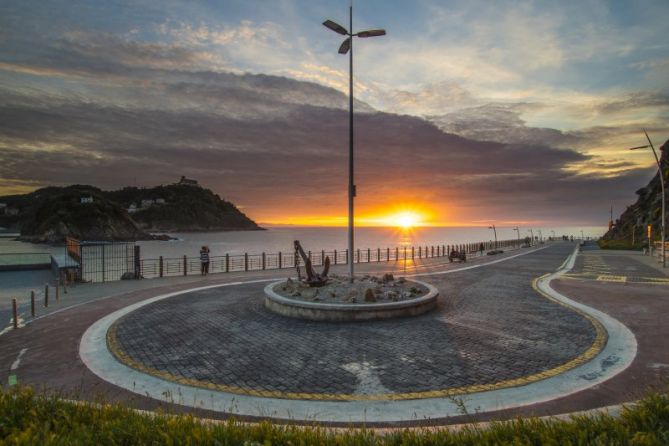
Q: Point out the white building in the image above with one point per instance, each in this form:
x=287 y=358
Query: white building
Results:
x=132 y=209
x=85 y=200
x=148 y=203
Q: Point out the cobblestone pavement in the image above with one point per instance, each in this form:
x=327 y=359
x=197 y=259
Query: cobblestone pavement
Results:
x=611 y=266
x=490 y=327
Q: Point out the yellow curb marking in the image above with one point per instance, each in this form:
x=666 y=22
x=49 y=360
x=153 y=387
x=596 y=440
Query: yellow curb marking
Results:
x=591 y=352
x=605 y=278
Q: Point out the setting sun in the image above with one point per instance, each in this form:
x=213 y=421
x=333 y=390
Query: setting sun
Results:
x=405 y=219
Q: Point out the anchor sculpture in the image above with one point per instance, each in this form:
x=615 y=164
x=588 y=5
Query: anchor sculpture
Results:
x=313 y=278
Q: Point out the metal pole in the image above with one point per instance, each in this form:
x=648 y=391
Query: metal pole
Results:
x=351 y=184
x=659 y=166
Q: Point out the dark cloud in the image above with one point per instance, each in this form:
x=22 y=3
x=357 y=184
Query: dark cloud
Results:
x=635 y=101
x=147 y=113
x=500 y=123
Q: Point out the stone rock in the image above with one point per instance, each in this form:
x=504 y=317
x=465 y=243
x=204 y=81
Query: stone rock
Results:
x=369 y=295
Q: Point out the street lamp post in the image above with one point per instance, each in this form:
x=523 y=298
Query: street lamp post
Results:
x=495 y=231
x=659 y=167
x=517 y=232
x=347 y=47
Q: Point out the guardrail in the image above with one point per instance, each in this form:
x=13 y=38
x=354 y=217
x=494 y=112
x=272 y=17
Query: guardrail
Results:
x=185 y=265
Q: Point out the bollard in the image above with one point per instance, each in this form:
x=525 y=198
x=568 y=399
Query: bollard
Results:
x=378 y=254
x=65 y=283
x=369 y=251
x=358 y=255
x=412 y=253
x=15 y=313
x=387 y=254
x=335 y=256
x=227 y=263
x=185 y=266
x=246 y=261
x=322 y=257
x=279 y=259
x=160 y=267
x=57 y=290
x=397 y=254
x=263 y=261
x=46 y=295
x=32 y=303
x=347 y=256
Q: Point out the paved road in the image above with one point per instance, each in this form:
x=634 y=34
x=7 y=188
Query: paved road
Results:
x=490 y=326
x=474 y=310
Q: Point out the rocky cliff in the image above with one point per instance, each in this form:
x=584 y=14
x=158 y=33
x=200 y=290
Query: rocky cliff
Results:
x=646 y=211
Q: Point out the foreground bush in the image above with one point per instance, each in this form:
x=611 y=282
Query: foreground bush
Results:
x=621 y=244
x=29 y=419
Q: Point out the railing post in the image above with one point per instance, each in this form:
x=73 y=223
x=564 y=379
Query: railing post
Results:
x=185 y=265
x=263 y=261
x=280 y=266
x=15 y=313
x=227 y=263
x=397 y=253
x=420 y=252
x=387 y=254
x=369 y=257
x=405 y=254
x=322 y=257
x=413 y=252
x=335 y=256
x=347 y=256
x=57 y=290
x=46 y=295
x=32 y=303
x=433 y=251
x=160 y=267
x=357 y=255
x=138 y=262
x=378 y=255
x=246 y=261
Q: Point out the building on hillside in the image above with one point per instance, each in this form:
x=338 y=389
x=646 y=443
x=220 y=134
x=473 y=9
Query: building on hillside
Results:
x=147 y=203
x=187 y=182
x=86 y=200
x=132 y=209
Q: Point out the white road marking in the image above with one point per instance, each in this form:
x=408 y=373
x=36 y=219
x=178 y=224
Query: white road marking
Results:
x=15 y=364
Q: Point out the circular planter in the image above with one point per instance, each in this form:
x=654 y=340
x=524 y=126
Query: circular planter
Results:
x=343 y=312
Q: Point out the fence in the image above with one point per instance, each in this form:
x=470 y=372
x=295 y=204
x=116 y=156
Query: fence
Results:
x=185 y=265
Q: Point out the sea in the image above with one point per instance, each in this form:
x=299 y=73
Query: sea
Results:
x=280 y=238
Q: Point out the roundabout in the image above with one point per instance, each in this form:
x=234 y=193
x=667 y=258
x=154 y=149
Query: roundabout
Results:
x=218 y=348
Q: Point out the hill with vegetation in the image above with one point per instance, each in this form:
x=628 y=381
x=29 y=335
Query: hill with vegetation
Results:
x=181 y=208
x=50 y=214
x=633 y=223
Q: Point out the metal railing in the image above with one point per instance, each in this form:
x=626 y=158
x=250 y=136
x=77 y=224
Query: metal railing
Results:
x=185 y=265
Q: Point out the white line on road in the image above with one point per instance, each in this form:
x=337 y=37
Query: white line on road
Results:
x=15 y=364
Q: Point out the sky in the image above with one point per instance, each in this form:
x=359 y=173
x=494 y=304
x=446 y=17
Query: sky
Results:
x=467 y=112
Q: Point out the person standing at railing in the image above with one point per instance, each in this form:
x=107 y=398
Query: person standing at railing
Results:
x=204 y=260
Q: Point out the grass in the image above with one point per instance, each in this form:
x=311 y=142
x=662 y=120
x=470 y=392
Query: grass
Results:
x=621 y=244
x=27 y=418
